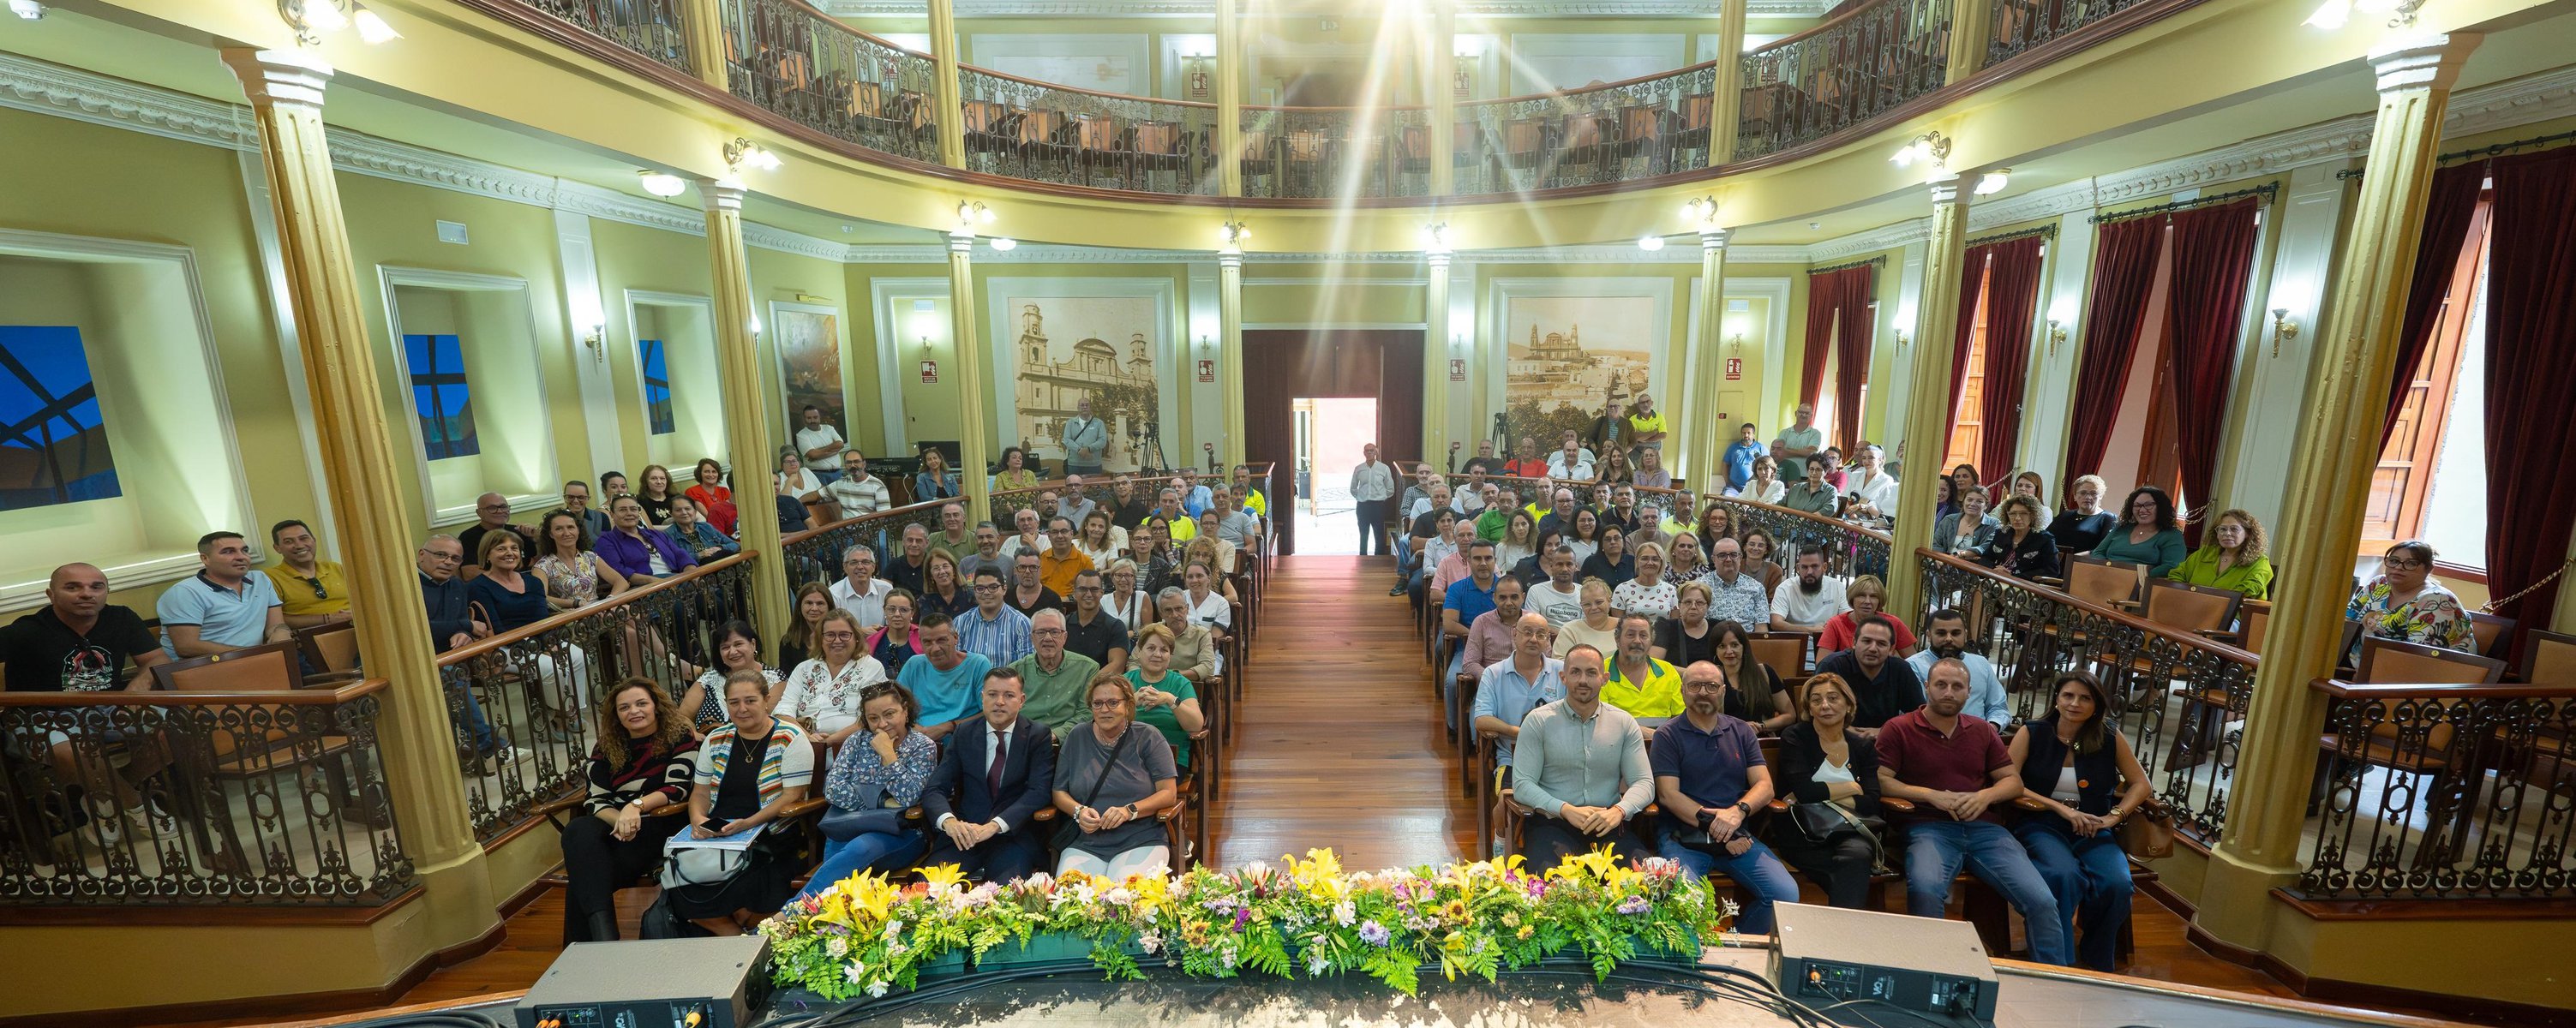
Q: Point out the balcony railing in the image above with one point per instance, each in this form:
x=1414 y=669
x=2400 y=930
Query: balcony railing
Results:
x=814 y=555
x=1591 y=136
x=2443 y=792
x=1032 y=130
x=2180 y=698
x=652 y=28
x=255 y=799
x=1851 y=549
x=2020 y=26
x=798 y=62
x=537 y=687
x=1862 y=63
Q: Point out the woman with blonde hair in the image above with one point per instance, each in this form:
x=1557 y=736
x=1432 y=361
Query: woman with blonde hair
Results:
x=2081 y=526
x=1099 y=539
x=1867 y=595
x=1112 y=776
x=1823 y=761
x=1596 y=627
x=1765 y=486
x=2233 y=558
x=2021 y=548
x=1648 y=593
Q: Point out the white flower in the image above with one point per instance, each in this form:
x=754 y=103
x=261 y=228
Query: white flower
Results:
x=897 y=949
x=1151 y=941
x=1344 y=913
x=1314 y=964
x=876 y=989
x=1040 y=881
x=856 y=972
x=838 y=947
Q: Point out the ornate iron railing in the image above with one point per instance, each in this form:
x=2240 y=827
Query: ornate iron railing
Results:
x=798 y=62
x=2020 y=26
x=650 y=27
x=537 y=688
x=2180 y=698
x=157 y=799
x=1312 y=152
x=1851 y=549
x=1595 y=135
x=814 y=555
x=1049 y=133
x=2443 y=792
x=1839 y=74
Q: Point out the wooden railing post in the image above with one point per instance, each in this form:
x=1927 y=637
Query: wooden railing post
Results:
x=703 y=25
x=952 y=105
x=1726 y=89
x=1971 y=26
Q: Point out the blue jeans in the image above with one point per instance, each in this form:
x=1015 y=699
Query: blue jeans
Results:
x=882 y=851
x=1760 y=878
x=476 y=727
x=2090 y=877
x=1933 y=852
x=825 y=477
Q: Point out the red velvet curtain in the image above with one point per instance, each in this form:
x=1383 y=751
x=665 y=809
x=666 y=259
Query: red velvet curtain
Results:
x=2213 y=262
x=2452 y=204
x=2531 y=377
x=2124 y=273
x=2012 y=299
x=1846 y=293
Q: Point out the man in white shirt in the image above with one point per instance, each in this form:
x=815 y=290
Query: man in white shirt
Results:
x=1801 y=440
x=1945 y=637
x=1028 y=539
x=820 y=445
x=1806 y=602
x=857 y=491
x=1558 y=599
x=859 y=590
x=1871 y=490
x=1085 y=440
x=1372 y=484
x=1570 y=463
x=1438 y=496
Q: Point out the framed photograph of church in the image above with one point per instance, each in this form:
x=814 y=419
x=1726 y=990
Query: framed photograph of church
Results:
x=808 y=340
x=1101 y=343
x=1567 y=345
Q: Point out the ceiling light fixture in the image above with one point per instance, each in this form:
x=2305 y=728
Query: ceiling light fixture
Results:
x=662 y=184
x=1930 y=146
x=1003 y=243
x=742 y=153
x=28 y=9
x=1993 y=182
x=1650 y=242
x=372 y=28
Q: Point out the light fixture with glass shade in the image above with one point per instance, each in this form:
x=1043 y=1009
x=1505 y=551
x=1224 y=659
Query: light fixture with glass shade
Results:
x=1650 y=242
x=311 y=19
x=1993 y=182
x=661 y=183
x=1003 y=243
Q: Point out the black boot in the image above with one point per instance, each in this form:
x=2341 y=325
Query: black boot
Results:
x=602 y=926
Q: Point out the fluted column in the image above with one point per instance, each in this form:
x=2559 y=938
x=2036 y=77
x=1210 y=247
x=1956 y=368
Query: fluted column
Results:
x=360 y=470
x=1726 y=100
x=747 y=420
x=1229 y=359
x=1436 y=386
x=952 y=106
x=702 y=25
x=1693 y=453
x=975 y=429
x=2320 y=529
x=1927 y=404
x=1229 y=99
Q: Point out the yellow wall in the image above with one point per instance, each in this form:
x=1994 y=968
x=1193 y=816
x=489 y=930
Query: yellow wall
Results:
x=632 y=257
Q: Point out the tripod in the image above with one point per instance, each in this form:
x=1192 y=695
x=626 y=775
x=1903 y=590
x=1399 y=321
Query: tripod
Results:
x=1146 y=442
x=1502 y=434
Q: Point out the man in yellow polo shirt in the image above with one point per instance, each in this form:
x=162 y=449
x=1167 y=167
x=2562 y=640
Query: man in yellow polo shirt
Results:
x=1637 y=682
x=310 y=592
x=1646 y=431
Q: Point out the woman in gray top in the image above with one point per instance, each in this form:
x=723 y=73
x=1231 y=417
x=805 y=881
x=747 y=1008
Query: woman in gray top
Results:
x=1112 y=777
x=1967 y=530
x=1814 y=494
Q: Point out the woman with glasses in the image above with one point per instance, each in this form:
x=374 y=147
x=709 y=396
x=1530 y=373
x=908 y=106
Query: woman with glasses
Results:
x=1688 y=636
x=822 y=694
x=643 y=762
x=1112 y=777
x=897 y=640
x=870 y=784
x=1127 y=599
x=2149 y=533
x=2080 y=527
x=1164 y=699
x=1148 y=549
x=2403 y=602
x=750 y=770
x=1610 y=560
x=945 y=591
x=2022 y=548
x=739 y=651
x=2233 y=558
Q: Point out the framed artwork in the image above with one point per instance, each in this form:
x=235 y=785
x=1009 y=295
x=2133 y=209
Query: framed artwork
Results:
x=1106 y=341
x=1564 y=355
x=807 y=338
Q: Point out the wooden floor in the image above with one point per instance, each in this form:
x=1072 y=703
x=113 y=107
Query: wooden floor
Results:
x=1339 y=744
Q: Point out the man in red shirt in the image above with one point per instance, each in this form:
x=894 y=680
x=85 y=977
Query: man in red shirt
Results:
x=1954 y=769
x=1525 y=462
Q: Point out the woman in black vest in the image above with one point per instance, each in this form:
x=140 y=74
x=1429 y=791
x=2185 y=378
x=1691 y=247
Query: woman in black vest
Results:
x=2072 y=763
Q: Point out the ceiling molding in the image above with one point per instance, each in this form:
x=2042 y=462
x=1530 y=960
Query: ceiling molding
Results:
x=2522 y=101
x=40 y=87
x=1207 y=8
x=610 y=205
x=2054 y=201
x=2342 y=139
x=784 y=241
x=1884 y=237
x=403 y=162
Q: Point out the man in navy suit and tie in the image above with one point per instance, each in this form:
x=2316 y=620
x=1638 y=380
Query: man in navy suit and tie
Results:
x=990 y=784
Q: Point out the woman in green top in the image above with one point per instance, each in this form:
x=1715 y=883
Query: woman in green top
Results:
x=1164 y=699
x=2149 y=533
x=2231 y=559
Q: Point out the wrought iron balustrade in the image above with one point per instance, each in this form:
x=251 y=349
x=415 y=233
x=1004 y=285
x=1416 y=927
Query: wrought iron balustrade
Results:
x=2020 y=26
x=798 y=62
x=1595 y=135
x=653 y=28
x=1840 y=74
x=2180 y=698
x=537 y=688
x=1315 y=152
x=197 y=799
x=1850 y=549
x=1042 y=132
x=2442 y=792
x=814 y=555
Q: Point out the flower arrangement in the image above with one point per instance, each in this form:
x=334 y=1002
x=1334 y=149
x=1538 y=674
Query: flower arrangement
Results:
x=867 y=935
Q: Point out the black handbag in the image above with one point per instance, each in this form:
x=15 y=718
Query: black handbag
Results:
x=1069 y=831
x=841 y=825
x=1822 y=823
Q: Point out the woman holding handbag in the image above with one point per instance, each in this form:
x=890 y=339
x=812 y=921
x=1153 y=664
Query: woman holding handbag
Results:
x=871 y=783
x=642 y=764
x=1830 y=774
x=750 y=770
x=2071 y=763
x=1112 y=776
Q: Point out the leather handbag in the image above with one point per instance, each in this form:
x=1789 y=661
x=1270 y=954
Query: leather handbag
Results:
x=1069 y=831
x=841 y=825
x=1821 y=823
x=2148 y=832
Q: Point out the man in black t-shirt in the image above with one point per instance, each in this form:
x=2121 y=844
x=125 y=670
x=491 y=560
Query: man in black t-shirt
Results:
x=78 y=642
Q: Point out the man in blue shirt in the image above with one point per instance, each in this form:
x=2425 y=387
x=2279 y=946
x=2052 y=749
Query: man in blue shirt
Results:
x=1709 y=779
x=1467 y=599
x=1741 y=455
x=223 y=607
x=1945 y=637
x=1194 y=497
x=994 y=630
x=946 y=682
x=1513 y=688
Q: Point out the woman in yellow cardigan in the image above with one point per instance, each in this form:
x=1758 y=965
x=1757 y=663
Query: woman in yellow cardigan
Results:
x=2231 y=559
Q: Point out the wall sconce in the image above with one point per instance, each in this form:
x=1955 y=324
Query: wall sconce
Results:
x=1233 y=234
x=1735 y=345
x=1701 y=212
x=753 y=324
x=1930 y=146
x=743 y=152
x=2282 y=328
x=596 y=337
x=1201 y=83
x=30 y=10
x=1900 y=337
x=311 y=19
x=971 y=213
x=1435 y=237
x=2056 y=336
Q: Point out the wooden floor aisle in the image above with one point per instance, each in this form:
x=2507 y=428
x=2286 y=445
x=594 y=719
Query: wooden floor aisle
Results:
x=1338 y=744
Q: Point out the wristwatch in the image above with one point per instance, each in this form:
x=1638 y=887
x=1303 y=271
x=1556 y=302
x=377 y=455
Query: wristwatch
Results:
x=1132 y=812
x=1744 y=809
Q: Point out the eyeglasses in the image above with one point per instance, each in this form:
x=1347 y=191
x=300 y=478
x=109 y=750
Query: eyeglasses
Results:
x=448 y=557
x=1043 y=632
x=981 y=586
x=319 y=592
x=842 y=636
x=1110 y=704
x=2401 y=563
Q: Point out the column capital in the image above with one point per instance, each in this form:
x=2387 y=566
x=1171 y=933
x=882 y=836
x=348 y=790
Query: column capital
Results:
x=1439 y=258
x=1945 y=190
x=1714 y=238
x=2423 y=62
x=961 y=242
x=1230 y=258
x=721 y=195
x=284 y=78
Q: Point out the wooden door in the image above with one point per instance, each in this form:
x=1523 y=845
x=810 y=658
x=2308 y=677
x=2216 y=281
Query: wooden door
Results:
x=2403 y=480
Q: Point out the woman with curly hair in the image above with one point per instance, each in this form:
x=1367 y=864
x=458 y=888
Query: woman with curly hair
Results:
x=644 y=761
x=2233 y=558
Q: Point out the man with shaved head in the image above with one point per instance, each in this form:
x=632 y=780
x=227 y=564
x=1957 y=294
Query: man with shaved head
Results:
x=79 y=642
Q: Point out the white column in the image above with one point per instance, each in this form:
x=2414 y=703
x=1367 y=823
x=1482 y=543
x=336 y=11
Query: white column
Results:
x=2277 y=383
x=1893 y=318
x=593 y=366
x=2052 y=374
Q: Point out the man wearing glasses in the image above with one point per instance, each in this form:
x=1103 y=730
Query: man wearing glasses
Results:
x=492 y=514
x=993 y=630
x=312 y=592
x=452 y=624
x=1055 y=678
x=1734 y=595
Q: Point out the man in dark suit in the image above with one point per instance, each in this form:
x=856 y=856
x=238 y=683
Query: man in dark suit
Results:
x=985 y=808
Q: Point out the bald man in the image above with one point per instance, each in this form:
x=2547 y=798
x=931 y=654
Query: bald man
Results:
x=79 y=642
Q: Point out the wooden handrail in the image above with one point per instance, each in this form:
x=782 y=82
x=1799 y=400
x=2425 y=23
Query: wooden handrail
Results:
x=479 y=647
x=1838 y=523
x=1604 y=87
x=2177 y=636
x=842 y=27
x=889 y=513
x=1819 y=28
x=1061 y=88
x=192 y=698
x=2340 y=689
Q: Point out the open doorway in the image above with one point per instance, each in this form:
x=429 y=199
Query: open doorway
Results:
x=1330 y=431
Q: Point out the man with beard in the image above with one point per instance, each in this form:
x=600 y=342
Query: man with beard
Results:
x=1805 y=603
x=954 y=539
x=1638 y=683
x=1945 y=637
x=1489 y=636
x=1957 y=773
x=1886 y=686
x=1579 y=765
x=1484 y=462
x=1709 y=779
x=1558 y=599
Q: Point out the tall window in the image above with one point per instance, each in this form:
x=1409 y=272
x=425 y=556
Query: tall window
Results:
x=657 y=386
x=1968 y=422
x=440 y=395
x=53 y=441
x=2431 y=482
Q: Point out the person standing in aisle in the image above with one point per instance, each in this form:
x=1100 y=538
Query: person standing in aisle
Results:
x=1372 y=485
x=820 y=445
x=1085 y=439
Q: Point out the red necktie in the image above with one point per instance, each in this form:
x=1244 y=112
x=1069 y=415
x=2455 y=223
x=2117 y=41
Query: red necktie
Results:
x=1001 y=757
